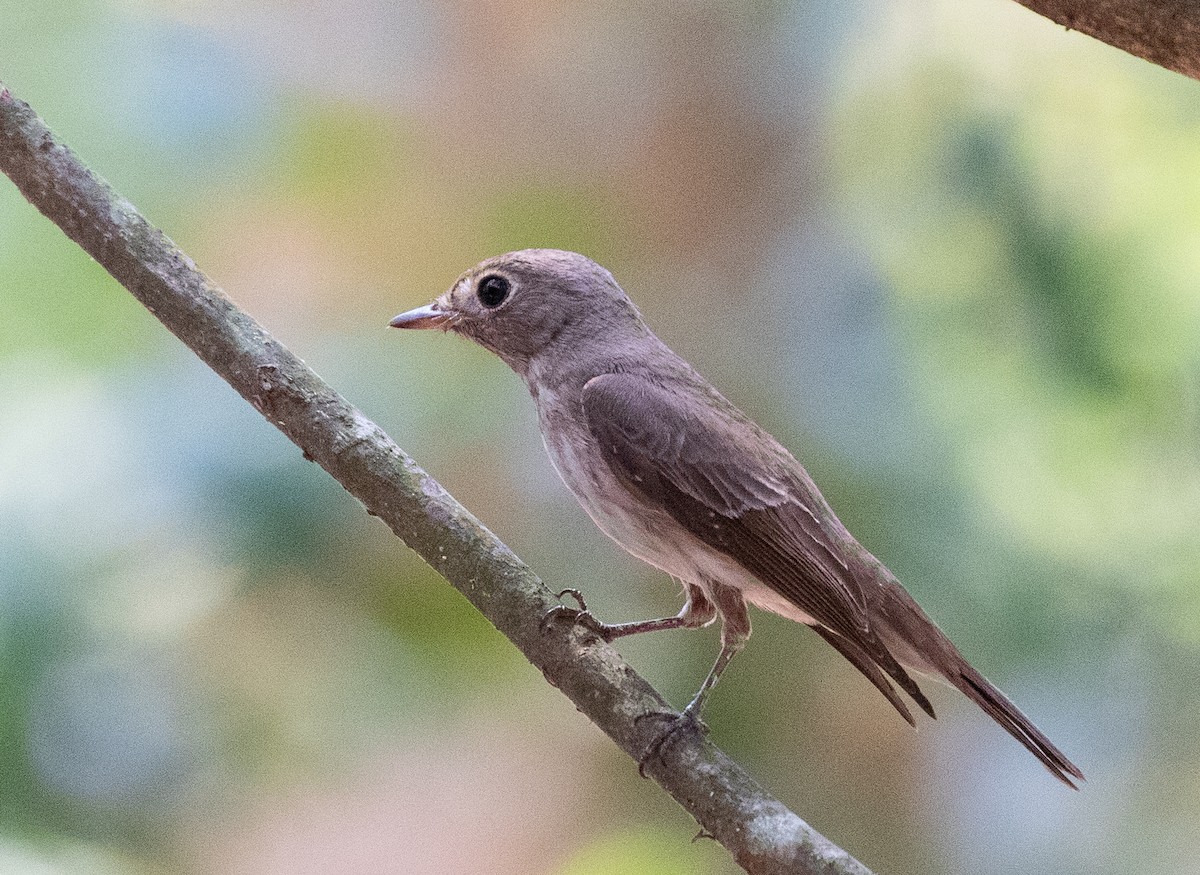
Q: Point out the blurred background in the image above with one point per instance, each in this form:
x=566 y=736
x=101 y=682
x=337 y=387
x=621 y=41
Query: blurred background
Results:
x=946 y=251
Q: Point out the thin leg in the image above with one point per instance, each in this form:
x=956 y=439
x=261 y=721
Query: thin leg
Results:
x=697 y=704
x=697 y=611
x=735 y=630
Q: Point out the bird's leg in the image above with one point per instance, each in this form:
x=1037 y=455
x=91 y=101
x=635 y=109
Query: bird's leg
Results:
x=697 y=611
x=728 y=650
x=735 y=630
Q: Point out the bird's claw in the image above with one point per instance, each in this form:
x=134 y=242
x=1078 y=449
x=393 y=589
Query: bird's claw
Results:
x=575 y=594
x=684 y=721
x=580 y=616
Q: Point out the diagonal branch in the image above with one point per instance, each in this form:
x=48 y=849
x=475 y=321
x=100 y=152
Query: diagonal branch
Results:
x=1164 y=32
x=760 y=832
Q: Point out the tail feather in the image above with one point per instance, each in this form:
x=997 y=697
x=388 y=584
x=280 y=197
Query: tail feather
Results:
x=1001 y=709
x=904 y=679
x=860 y=660
x=918 y=643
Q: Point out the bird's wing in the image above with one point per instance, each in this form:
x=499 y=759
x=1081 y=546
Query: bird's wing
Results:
x=732 y=485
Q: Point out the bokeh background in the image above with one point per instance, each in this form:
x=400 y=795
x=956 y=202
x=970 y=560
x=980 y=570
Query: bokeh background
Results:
x=945 y=250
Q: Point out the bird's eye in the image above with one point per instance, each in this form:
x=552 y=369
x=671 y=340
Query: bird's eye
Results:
x=493 y=290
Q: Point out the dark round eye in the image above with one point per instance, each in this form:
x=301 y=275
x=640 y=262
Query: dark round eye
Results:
x=493 y=289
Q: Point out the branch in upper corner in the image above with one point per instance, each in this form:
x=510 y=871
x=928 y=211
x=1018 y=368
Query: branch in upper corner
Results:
x=1164 y=32
x=761 y=833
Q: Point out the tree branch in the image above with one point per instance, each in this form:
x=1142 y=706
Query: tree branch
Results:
x=760 y=832
x=1164 y=32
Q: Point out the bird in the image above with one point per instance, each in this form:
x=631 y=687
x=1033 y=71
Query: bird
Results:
x=682 y=479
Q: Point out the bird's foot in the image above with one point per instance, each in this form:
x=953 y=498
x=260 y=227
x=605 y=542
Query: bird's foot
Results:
x=580 y=616
x=686 y=721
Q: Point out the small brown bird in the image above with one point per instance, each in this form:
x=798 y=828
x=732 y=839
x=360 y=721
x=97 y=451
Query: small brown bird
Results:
x=682 y=479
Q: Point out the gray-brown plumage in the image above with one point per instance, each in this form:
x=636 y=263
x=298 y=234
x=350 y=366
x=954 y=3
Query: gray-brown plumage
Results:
x=682 y=479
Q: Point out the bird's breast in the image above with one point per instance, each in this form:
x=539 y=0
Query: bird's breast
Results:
x=642 y=527
x=582 y=467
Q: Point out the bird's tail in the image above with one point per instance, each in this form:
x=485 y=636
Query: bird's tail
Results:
x=1000 y=708
x=917 y=642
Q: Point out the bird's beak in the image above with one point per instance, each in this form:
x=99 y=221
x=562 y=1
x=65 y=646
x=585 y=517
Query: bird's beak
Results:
x=429 y=316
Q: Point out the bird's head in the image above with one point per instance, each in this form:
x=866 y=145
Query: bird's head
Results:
x=534 y=302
